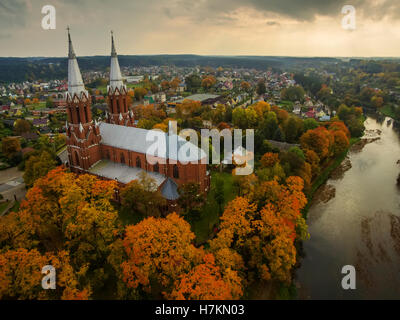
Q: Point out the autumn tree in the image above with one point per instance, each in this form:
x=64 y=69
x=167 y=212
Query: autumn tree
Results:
x=62 y=212
x=262 y=240
x=10 y=147
x=319 y=140
x=22 y=126
x=208 y=82
x=269 y=159
x=21 y=276
x=207 y=281
x=341 y=142
x=140 y=93
x=245 y=86
x=158 y=252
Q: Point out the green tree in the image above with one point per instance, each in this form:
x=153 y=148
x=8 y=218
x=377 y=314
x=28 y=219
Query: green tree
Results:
x=261 y=89
x=38 y=166
x=142 y=196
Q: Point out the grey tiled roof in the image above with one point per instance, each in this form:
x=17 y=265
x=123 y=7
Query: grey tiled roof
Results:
x=170 y=190
x=134 y=139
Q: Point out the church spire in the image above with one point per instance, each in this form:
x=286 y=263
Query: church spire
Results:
x=75 y=82
x=115 y=71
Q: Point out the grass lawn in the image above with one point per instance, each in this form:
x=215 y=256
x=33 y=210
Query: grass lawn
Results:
x=387 y=111
x=15 y=207
x=3 y=206
x=210 y=215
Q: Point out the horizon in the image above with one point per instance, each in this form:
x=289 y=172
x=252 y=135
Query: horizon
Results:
x=285 y=28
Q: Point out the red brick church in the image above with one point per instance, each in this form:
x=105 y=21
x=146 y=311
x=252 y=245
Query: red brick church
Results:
x=115 y=148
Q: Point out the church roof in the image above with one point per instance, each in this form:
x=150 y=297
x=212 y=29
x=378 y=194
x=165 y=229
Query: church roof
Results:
x=170 y=190
x=116 y=80
x=122 y=172
x=145 y=141
x=75 y=82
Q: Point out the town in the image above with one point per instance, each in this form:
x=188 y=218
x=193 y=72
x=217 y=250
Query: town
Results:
x=141 y=173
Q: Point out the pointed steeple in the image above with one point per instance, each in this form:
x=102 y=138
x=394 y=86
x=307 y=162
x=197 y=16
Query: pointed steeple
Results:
x=75 y=82
x=115 y=71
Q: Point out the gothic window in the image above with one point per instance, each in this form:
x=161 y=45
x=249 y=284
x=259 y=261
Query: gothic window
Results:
x=108 y=154
x=122 y=158
x=138 y=162
x=176 y=172
x=156 y=168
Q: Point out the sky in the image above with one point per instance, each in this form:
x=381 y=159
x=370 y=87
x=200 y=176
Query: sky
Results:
x=205 y=27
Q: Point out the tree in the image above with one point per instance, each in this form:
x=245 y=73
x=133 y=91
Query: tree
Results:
x=293 y=93
x=22 y=126
x=62 y=212
x=37 y=167
x=261 y=88
x=310 y=124
x=141 y=196
x=208 y=82
x=264 y=239
x=341 y=142
x=206 y=281
x=49 y=103
x=318 y=140
x=245 y=86
x=158 y=251
x=10 y=147
x=21 y=276
x=269 y=159
x=190 y=197
x=279 y=135
x=193 y=82
x=219 y=194
x=140 y=93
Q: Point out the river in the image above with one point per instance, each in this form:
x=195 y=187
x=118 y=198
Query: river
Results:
x=359 y=225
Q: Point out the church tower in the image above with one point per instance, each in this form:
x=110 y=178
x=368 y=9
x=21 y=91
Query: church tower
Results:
x=83 y=135
x=118 y=100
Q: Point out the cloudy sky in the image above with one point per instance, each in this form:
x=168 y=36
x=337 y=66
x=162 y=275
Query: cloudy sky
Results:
x=207 y=27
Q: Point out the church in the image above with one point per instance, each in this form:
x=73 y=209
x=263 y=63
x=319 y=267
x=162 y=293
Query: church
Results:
x=114 y=148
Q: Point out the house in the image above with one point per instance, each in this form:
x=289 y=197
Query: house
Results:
x=40 y=122
x=297 y=109
x=310 y=114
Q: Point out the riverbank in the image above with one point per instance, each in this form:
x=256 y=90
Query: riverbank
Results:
x=325 y=175
x=353 y=220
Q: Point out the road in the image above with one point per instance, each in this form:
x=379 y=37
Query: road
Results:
x=12 y=184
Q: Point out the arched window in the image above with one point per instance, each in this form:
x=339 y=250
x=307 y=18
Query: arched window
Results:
x=138 y=162
x=156 y=168
x=122 y=158
x=176 y=172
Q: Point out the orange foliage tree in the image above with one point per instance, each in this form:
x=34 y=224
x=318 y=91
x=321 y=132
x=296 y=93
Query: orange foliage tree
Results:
x=269 y=159
x=318 y=140
x=62 y=212
x=21 y=276
x=262 y=242
x=207 y=282
x=158 y=251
